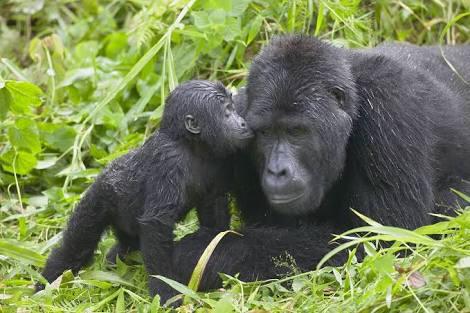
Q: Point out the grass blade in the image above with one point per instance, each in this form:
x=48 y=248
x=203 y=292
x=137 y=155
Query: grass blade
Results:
x=204 y=259
x=21 y=254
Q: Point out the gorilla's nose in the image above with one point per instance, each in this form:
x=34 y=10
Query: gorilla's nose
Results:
x=278 y=173
x=277 y=177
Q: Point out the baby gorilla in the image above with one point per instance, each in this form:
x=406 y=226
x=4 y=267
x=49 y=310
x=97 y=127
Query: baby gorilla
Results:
x=186 y=164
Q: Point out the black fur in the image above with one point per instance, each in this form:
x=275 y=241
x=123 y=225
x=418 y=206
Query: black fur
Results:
x=143 y=193
x=385 y=131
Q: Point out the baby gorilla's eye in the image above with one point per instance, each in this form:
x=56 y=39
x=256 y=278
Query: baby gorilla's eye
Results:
x=228 y=110
x=220 y=97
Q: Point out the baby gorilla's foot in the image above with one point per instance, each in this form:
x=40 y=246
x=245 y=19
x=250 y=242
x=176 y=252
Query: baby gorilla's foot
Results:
x=118 y=250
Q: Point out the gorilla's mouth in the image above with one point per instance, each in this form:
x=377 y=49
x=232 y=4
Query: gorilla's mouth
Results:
x=285 y=199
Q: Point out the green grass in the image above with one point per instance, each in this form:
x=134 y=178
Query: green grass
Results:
x=82 y=82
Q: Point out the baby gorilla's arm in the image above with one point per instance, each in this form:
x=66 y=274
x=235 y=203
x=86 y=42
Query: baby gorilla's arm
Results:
x=165 y=204
x=156 y=237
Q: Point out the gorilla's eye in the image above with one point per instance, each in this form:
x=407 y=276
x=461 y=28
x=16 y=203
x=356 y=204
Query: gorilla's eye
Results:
x=263 y=132
x=338 y=93
x=297 y=131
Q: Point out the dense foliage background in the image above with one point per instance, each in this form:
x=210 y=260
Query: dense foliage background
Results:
x=82 y=82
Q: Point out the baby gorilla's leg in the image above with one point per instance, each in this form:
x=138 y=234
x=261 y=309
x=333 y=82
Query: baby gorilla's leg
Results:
x=125 y=245
x=80 y=238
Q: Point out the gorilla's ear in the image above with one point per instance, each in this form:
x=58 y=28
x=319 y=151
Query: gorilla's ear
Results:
x=339 y=95
x=191 y=124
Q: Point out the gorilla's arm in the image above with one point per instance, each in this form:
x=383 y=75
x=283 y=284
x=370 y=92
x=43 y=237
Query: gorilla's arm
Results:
x=390 y=150
x=253 y=254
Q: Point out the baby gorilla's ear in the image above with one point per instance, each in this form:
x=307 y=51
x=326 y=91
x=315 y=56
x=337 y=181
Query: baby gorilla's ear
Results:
x=191 y=124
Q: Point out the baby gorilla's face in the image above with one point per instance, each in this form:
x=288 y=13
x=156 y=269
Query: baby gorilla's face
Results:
x=203 y=112
x=235 y=129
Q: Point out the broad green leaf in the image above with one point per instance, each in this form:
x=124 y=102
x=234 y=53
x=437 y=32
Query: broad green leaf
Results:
x=57 y=136
x=24 y=134
x=117 y=43
x=5 y=102
x=224 y=306
x=239 y=7
x=232 y=29
x=24 y=162
x=217 y=17
x=46 y=163
x=225 y=5
x=384 y=263
x=201 y=19
x=86 y=52
x=75 y=75
x=23 y=95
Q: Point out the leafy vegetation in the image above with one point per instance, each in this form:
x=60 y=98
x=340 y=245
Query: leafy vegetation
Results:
x=82 y=82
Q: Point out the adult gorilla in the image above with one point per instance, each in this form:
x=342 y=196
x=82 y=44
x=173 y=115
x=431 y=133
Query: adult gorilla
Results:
x=385 y=131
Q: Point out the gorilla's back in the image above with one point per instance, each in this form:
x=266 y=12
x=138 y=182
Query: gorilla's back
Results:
x=447 y=65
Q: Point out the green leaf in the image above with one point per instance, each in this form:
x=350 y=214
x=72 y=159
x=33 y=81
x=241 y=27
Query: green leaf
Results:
x=117 y=43
x=232 y=29
x=24 y=134
x=461 y=195
x=120 y=304
x=105 y=276
x=254 y=29
x=366 y=219
x=5 y=102
x=239 y=7
x=394 y=233
x=15 y=251
x=201 y=19
x=463 y=262
x=23 y=95
x=24 y=162
x=57 y=136
x=225 y=5
x=179 y=287
x=384 y=263
x=204 y=259
x=224 y=306
x=75 y=75
x=217 y=17
x=46 y=163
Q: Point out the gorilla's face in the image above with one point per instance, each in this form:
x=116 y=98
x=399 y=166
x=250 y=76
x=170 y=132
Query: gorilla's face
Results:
x=302 y=120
